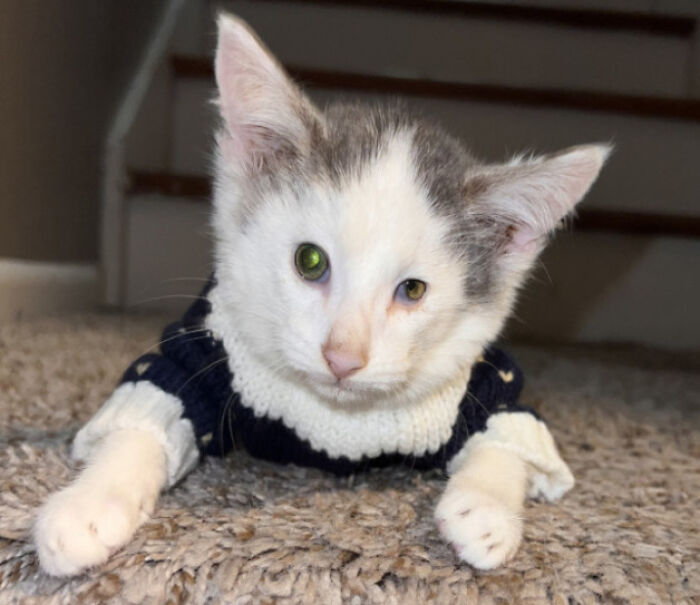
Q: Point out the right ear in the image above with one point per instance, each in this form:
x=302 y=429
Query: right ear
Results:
x=528 y=198
x=266 y=117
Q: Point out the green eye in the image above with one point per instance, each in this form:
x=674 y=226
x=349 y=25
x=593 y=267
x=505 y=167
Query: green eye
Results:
x=311 y=262
x=411 y=290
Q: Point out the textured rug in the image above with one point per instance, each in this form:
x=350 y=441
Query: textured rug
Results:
x=242 y=531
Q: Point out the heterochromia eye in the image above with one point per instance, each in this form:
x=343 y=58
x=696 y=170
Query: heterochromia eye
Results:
x=311 y=262
x=411 y=290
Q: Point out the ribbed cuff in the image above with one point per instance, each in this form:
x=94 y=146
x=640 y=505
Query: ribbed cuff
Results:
x=145 y=407
x=530 y=439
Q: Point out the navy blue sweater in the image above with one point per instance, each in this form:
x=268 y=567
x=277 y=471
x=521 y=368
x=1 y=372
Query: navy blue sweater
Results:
x=188 y=367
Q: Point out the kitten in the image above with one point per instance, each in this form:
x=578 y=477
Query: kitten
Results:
x=364 y=262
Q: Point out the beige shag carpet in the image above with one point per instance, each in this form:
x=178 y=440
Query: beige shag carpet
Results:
x=242 y=531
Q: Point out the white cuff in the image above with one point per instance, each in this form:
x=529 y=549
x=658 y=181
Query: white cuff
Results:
x=144 y=406
x=529 y=438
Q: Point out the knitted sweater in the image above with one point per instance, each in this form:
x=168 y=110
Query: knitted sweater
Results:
x=193 y=371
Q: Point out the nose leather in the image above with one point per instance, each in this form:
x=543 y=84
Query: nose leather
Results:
x=343 y=363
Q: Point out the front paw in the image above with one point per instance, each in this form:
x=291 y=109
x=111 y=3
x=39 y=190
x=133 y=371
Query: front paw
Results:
x=483 y=531
x=79 y=527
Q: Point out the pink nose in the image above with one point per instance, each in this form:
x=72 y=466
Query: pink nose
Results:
x=343 y=363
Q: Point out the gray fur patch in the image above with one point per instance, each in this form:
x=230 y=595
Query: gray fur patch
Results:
x=353 y=135
x=442 y=164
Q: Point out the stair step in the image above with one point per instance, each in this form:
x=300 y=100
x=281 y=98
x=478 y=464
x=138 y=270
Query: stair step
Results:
x=646 y=147
x=189 y=186
x=635 y=105
x=198 y=189
x=500 y=43
x=584 y=18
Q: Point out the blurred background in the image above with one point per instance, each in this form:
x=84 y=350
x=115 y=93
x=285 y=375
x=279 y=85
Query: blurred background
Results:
x=106 y=132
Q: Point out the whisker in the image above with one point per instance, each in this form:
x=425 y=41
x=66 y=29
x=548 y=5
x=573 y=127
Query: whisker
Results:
x=540 y=262
x=230 y=421
x=172 y=279
x=179 y=335
x=224 y=412
x=253 y=314
x=476 y=399
x=170 y=296
x=206 y=368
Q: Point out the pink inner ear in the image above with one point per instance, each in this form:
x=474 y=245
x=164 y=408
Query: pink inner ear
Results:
x=253 y=93
x=264 y=114
x=522 y=239
x=248 y=145
x=232 y=147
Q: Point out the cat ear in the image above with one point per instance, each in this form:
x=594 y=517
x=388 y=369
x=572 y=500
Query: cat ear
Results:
x=266 y=117
x=527 y=199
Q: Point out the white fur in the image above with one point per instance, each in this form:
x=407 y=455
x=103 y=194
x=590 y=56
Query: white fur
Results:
x=378 y=230
x=479 y=513
x=339 y=430
x=533 y=195
x=143 y=406
x=83 y=524
x=256 y=98
x=530 y=440
x=480 y=510
x=135 y=445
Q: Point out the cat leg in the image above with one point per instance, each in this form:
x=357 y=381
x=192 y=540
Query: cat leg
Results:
x=83 y=524
x=136 y=445
x=480 y=512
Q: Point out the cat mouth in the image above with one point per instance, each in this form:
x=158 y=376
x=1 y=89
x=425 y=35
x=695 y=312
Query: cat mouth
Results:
x=341 y=386
x=349 y=391
x=344 y=387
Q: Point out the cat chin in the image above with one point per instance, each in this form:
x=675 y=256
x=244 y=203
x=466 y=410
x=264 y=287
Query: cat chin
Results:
x=347 y=393
x=364 y=395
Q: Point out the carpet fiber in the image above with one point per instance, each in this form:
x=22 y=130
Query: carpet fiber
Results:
x=242 y=531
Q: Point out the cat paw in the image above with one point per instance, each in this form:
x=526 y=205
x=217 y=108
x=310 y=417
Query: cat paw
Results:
x=483 y=531
x=78 y=528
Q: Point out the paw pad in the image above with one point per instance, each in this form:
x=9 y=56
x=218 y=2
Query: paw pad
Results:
x=483 y=531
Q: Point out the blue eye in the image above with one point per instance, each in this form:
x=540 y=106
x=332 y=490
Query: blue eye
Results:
x=411 y=290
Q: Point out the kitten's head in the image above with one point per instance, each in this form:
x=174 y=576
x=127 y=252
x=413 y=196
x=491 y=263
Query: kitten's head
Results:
x=361 y=251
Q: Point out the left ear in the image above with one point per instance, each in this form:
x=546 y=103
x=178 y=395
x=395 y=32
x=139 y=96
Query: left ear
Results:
x=527 y=199
x=265 y=115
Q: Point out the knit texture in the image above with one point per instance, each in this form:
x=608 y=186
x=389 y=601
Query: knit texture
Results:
x=194 y=366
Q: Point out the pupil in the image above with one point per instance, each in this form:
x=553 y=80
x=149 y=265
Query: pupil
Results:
x=311 y=258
